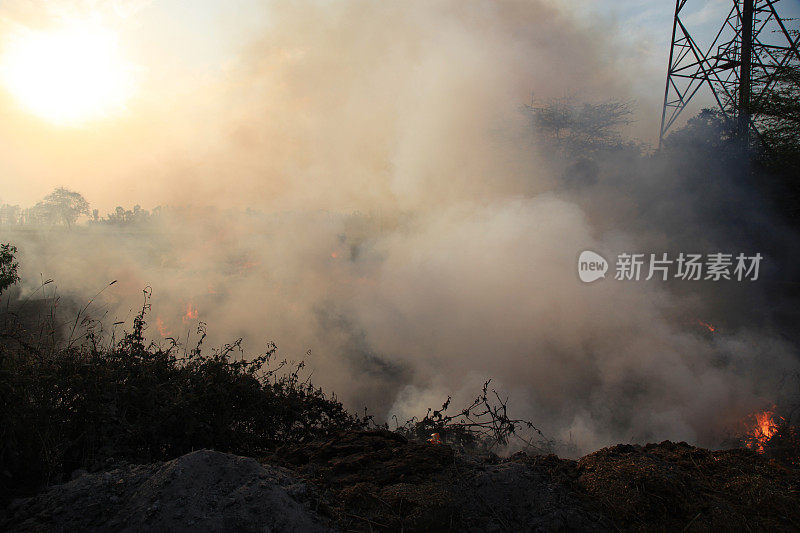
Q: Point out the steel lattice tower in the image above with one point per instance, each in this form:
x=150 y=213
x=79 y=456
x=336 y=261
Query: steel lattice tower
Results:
x=740 y=67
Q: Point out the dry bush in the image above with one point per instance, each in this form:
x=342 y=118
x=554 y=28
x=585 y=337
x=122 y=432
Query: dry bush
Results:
x=482 y=426
x=82 y=404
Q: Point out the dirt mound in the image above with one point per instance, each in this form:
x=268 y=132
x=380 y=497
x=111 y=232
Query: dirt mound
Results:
x=677 y=487
x=382 y=457
x=200 y=491
x=377 y=480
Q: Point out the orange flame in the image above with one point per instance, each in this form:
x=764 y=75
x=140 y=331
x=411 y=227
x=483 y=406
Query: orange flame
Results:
x=162 y=329
x=709 y=327
x=191 y=313
x=766 y=426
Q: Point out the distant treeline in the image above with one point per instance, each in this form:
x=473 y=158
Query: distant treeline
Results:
x=65 y=207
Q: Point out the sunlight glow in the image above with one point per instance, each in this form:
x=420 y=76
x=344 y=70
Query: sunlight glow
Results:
x=67 y=76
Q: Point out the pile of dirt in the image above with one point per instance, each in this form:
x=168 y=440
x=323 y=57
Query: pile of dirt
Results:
x=379 y=481
x=677 y=487
x=200 y=491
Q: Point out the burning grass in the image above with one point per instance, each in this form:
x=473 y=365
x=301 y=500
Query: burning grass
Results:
x=773 y=436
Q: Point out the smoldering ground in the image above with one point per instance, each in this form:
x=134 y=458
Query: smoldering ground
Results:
x=412 y=232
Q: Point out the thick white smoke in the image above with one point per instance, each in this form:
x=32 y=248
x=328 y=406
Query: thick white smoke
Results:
x=461 y=266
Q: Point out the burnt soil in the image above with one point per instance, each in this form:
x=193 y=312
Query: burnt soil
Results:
x=379 y=481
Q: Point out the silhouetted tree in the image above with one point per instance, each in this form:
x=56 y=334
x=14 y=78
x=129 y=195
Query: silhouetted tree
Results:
x=8 y=267
x=9 y=214
x=709 y=132
x=581 y=133
x=62 y=206
x=779 y=112
x=580 y=127
x=779 y=156
x=121 y=216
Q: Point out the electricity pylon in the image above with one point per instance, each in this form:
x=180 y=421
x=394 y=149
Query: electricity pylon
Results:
x=740 y=67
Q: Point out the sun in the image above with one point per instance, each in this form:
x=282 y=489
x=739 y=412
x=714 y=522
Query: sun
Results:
x=67 y=76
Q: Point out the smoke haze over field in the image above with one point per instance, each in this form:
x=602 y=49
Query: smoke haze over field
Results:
x=336 y=105
x=460 y=264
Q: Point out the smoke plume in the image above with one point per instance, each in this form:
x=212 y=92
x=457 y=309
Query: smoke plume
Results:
x=409 y=229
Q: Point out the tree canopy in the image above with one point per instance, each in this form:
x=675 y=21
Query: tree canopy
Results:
x=8 y=267
x=62 y=206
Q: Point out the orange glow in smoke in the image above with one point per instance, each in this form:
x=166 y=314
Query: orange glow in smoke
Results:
x=161 y=327
x=191 y=313
x=709 y=327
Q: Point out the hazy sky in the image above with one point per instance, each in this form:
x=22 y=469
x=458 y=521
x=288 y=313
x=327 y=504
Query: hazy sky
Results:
x=185 y=63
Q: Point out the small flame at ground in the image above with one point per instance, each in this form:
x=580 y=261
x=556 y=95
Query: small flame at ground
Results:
x=765 y=427
x=435 y=439
x=191 y=313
